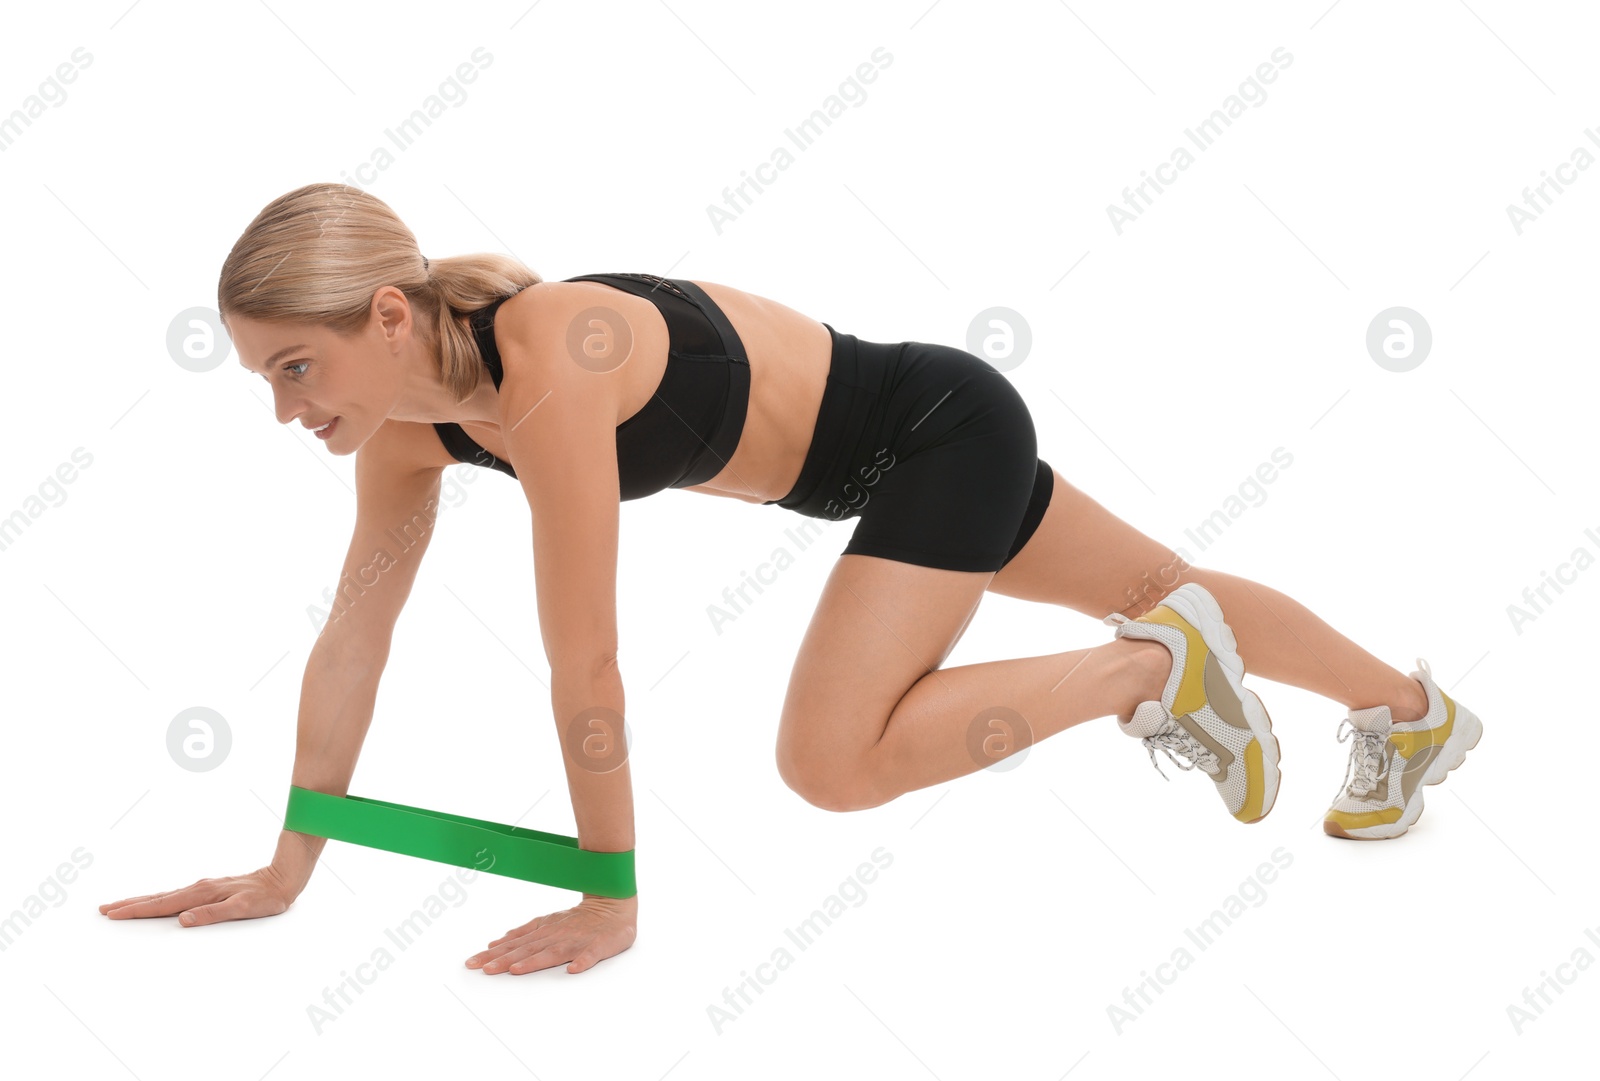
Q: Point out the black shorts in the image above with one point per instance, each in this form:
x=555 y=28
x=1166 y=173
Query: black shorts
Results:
x=932 y=448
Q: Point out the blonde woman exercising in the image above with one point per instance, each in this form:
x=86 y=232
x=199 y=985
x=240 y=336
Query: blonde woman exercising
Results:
x=608 y=387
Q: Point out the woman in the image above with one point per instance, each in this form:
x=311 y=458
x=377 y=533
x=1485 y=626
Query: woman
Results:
x=609 y=387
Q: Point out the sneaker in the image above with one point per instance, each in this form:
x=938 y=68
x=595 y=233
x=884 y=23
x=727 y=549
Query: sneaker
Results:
x=1206 y=717
x=1390 y=762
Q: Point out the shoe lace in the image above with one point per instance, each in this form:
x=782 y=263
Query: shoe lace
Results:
x=1178 y=744
x=1367 y=764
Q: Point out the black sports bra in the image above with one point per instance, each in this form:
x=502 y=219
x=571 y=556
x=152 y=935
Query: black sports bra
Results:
x=689 y=428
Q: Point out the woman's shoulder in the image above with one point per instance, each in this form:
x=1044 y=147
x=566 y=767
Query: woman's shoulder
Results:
x=549 y=319
x=535 y=303
x=531 y=316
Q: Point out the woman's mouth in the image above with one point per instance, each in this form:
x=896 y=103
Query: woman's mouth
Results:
x=326 y=430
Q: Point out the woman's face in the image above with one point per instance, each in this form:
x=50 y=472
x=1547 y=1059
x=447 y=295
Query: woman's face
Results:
x=318 y=376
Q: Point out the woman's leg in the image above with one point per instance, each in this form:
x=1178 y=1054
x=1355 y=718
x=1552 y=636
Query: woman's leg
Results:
x=870 y=715
x=1086 y=558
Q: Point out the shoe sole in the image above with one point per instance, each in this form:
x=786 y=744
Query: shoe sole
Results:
x=1468 y=730
x=1201 y=609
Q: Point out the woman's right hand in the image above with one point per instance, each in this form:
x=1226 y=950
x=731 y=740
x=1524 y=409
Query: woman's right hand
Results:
x=212 y=900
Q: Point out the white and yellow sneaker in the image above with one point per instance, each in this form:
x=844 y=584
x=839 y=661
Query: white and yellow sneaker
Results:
x=1391 y=761
x=1205 y=715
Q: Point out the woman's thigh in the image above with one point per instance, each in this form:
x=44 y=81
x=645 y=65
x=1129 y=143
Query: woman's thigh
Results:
x=1085 y=558
x=934 y=451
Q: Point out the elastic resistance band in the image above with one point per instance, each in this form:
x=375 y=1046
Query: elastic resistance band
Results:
x=533 y=855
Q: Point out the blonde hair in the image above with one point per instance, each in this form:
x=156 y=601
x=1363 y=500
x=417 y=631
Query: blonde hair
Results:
x=316 y=256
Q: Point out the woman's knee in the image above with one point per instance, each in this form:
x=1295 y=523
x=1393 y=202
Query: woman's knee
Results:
x=825 y=784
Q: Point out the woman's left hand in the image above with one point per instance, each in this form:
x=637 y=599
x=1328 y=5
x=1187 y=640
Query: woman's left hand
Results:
x=580 y=936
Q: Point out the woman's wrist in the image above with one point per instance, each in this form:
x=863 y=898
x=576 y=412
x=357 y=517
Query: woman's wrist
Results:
x=295 y=859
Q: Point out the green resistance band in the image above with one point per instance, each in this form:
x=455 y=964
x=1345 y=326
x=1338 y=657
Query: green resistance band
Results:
x=552 y=858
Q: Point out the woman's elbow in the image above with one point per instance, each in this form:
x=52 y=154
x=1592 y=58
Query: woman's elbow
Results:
x=587 y=666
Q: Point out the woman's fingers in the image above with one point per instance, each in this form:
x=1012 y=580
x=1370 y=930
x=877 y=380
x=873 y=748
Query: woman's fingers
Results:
x=501 y=946
x=243 y=904
x=127 y=901
x=580 y=937
x=495 y=952
x=533 y=957
x=160 y=904
x=231 y=908
x=528 y=928
x=210 y=900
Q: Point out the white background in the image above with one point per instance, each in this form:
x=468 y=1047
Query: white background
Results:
x=1230 y=319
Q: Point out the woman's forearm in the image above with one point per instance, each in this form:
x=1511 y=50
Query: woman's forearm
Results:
x=337 y=696
x=588 y=710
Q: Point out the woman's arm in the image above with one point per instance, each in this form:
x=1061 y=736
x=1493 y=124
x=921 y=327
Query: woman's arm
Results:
x=560 y=433
x=595 y=755
x=559 y=425
x=396 y=503
x=393 y=498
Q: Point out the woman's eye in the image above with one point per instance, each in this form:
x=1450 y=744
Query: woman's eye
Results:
x=292 y=367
